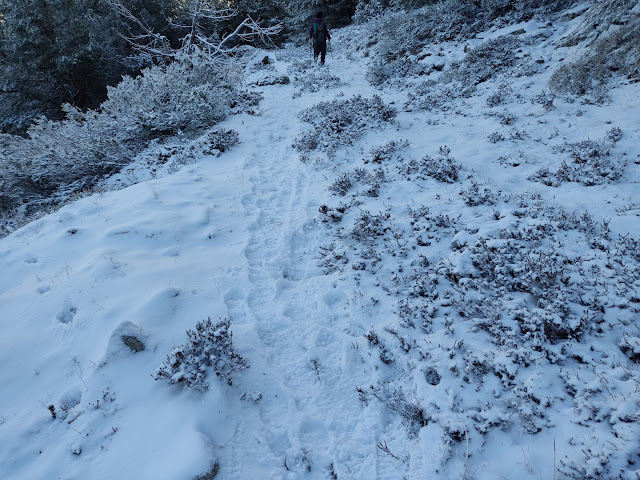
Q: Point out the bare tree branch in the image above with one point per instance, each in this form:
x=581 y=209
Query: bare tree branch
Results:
x=158 y=46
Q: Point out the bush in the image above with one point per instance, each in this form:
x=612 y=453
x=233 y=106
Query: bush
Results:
x=58 y=159
x=341 y=185
x=442 y=168
x=474 y=195
x=617 y=53
x=341 y=121
x=189 y=94
x=431 y=95
x=591 y=163
x=309 y=79
x=387 y=152
x=600 y=17
x=485 y=61
x=495 y=137
x=208 y=347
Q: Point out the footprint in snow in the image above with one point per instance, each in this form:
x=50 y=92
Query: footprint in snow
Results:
x=68 y=312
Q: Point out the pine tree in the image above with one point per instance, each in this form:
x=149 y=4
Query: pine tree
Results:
x=55 y=51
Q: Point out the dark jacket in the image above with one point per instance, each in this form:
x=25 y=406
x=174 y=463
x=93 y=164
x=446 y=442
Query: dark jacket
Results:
x=319 y=20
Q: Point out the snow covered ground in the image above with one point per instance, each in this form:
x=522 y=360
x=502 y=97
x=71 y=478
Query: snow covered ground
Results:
x=421 y=293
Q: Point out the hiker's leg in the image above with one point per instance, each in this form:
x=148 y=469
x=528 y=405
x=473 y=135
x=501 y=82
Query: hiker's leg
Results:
x=316 y=50
x=324 y=52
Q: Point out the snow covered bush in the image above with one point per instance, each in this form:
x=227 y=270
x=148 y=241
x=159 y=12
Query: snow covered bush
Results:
x=617 y=53
x=502 y=94
x=588 y=75
x=386 y=153
x=442 y=168
x=309 y=79
x=58 y=159
x=209 y=348
x=474 y=195
x=495 y=137
x=191 y=93
x=591 y=163
x=506 y=118
x=630 y=346
x=341 y=185
x=545 y=99
x=341 y=121
x=399 y=36
x=218 y=141
x=599 y=19
x=485 y=61
x=432 y=95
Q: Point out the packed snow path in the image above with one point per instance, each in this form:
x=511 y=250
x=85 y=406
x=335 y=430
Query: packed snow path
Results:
x=307 y=420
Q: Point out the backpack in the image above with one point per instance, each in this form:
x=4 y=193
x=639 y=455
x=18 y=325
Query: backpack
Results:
x=319 y=32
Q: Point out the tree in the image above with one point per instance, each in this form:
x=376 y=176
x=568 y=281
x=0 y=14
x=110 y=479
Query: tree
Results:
x=206 y=28
x=54 y=52
x=338 y=13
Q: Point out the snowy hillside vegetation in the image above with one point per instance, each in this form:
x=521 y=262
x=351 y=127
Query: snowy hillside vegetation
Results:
x=420 y=260
x=62 y=159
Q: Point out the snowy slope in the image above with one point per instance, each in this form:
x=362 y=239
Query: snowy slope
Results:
x=344 y=298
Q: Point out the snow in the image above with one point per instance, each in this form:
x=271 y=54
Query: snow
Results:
x=337 y=386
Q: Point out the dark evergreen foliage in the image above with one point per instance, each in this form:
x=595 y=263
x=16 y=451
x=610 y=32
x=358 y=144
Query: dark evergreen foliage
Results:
x=54 y=52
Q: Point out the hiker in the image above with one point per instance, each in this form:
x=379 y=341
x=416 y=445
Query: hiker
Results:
x=319 y=34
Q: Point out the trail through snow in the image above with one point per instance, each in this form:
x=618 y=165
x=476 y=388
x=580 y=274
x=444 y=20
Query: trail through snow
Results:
x=297 y=351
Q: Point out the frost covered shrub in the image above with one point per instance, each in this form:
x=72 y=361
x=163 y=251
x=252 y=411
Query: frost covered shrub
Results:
x=599 y=19
x=495 y=137
x=387 y=152
x=630 y=346
x=615 y=54
x=474 y=195
x=367 y=10
x=432 y=95
x=381 y=71
x=402 y=35
x=58 y=159
x=209 y=348
x=220 y=140
x=485 y=61
x=591 y=163
x=399 y=36
x=442 y=168
x=189 y=94
x=341 y=185
x=544 y=99
x=369 y=227
x=588 y=75
x=341 y=121
x=213 y=143
x=500 y=96
x=309 y=79
x=506 y=118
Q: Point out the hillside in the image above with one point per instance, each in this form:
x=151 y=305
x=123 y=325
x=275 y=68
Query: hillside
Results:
x=428 y=260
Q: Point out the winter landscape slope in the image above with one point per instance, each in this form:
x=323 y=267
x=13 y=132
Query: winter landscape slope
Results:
x=435 y=277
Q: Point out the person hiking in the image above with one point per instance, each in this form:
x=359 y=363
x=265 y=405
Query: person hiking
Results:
x=319 y=34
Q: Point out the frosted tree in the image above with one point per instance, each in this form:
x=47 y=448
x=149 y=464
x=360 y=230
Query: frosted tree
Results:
x=205 y=28
x=337 y=13
x=55 y=51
